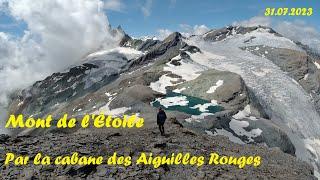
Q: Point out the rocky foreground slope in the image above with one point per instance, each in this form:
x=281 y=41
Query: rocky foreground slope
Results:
x=275 y=164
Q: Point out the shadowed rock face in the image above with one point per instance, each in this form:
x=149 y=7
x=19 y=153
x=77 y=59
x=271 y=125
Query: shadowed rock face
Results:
x=138 y=44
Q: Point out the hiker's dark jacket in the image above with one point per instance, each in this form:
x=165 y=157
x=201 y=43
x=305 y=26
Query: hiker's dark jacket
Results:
x=161 y=117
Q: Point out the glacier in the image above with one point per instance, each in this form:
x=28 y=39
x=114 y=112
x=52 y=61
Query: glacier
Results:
x=284 y=100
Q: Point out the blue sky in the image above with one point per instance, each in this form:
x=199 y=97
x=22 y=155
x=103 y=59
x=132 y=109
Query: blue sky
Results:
x=170 y=14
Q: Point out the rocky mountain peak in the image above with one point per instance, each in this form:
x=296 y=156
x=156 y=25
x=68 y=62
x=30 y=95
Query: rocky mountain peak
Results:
x=222 y=33
x=175 y=36
x=119 y=28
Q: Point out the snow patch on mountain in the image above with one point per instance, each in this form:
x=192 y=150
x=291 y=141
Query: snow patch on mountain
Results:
x=111 y=61
x=317 y=65
x=179 y=90
x=213 y=88
x=173 y=101
x=243 y=114
x=203 y=107
x=112 y=112
x=188 y=70
x=238 y=127
x=163 y=82
x=198 y=118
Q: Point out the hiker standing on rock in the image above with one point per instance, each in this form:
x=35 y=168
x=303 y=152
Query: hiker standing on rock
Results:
x=161 y=119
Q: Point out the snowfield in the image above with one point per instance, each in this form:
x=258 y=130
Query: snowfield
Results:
x=188 y=70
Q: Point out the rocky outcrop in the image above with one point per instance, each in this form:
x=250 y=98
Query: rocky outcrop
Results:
x=230 y=94
x=138 y=44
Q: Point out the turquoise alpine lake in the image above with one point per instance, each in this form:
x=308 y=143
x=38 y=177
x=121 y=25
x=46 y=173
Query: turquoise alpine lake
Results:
x=189 y=108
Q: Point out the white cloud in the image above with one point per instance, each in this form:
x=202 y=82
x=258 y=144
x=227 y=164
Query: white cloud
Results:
x=146 y=8
x=3 y=6
x=254 y=21
x=60 y=33
x=188 y=30
x=163 y=33
x=300 y=31
x=115 y=5
x=172 y=3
